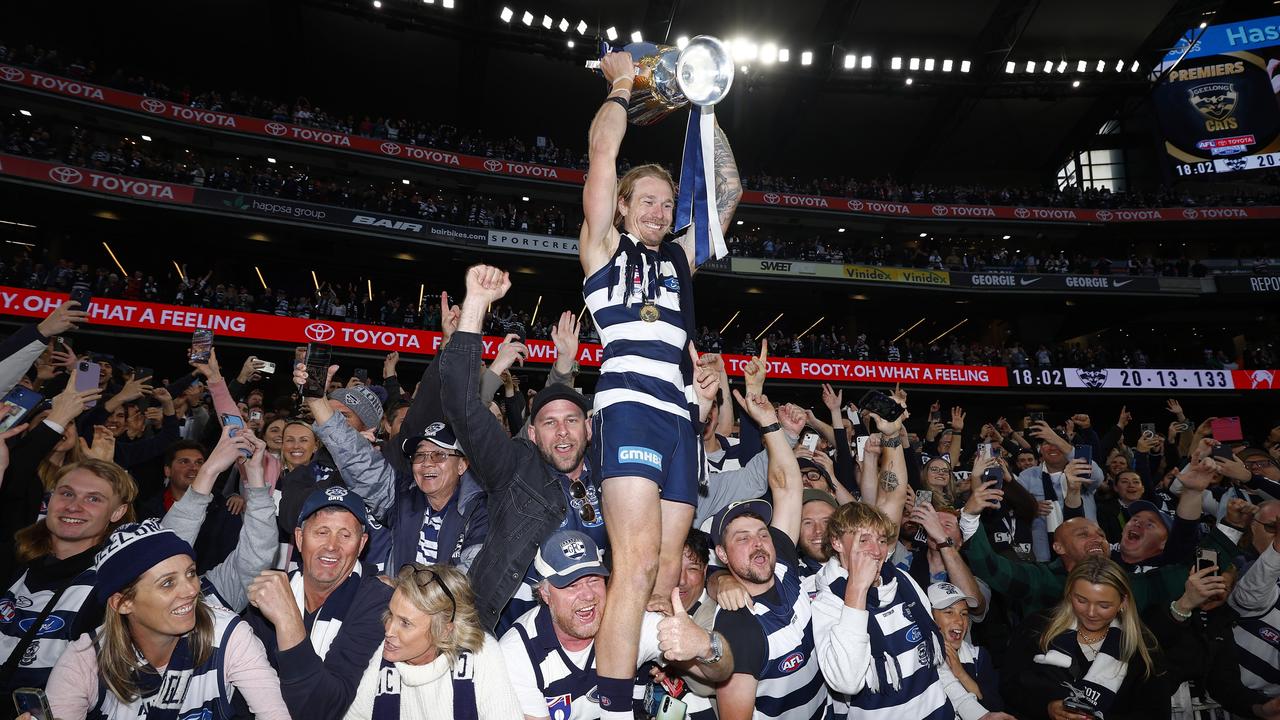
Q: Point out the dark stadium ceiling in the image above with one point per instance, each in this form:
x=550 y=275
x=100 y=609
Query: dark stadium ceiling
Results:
x=465 y=65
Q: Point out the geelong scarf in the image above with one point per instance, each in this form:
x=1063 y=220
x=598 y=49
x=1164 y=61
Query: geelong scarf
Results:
x=1097 y=689
x=164 y=694
x=386 y=705
x=334 y=610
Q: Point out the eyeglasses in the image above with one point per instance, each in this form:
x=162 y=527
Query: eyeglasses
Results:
x=418 y=572
x=1259 y=464
x=435 y=456
x=586 y=510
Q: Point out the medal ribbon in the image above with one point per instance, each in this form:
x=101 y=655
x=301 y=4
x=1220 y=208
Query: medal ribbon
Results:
x=696 y=205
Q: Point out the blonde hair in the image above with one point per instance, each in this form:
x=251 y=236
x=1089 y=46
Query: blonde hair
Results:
x=851 y=516
x=627 y=185
x=118 y=657
x=1100 y=570
x=36 y=541
x=464 y=633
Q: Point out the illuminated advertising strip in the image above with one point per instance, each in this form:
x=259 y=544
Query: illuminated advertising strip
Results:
x=45 y=83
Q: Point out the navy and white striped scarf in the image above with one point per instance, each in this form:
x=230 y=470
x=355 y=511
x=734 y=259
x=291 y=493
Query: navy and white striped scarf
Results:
x=1097 y=689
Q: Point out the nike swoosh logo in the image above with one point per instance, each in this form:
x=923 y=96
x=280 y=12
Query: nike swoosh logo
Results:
x=1024 y=281
x=1120 y=283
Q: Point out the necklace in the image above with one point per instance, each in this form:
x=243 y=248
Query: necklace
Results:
x=1089 y=639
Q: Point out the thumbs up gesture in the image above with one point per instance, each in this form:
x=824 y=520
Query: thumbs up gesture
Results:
x=679 y=637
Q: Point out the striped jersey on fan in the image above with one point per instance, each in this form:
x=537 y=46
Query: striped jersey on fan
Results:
x=641 y=361
x=1258 y=644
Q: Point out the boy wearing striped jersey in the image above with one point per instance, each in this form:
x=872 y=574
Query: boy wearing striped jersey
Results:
x=1257 y=598
x=640 y=293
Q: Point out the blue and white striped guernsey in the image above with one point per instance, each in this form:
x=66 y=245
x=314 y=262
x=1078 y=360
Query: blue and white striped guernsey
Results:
x=1258 y=642
x=21 y=605
x=642 y=361
x=789 y=686
x=203 y=694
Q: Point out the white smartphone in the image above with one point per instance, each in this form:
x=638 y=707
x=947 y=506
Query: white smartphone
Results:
x=862 y=446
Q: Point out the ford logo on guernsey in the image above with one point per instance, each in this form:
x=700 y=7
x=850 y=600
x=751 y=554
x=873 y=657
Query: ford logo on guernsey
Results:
x=641 y=455
x=913 y=635
x=790 y=663
x=319 y=332
x=51 y=624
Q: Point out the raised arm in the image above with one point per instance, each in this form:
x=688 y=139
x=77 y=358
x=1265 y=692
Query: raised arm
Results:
x=600 y=192
x=728 y=183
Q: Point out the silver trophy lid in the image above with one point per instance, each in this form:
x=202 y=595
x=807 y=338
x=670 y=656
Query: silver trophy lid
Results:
x=704 y=71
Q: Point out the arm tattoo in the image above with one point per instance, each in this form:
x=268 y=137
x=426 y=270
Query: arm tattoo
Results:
x=888 y=481
x=728 y=184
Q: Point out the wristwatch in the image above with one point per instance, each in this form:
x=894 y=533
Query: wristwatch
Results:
x=717 y=650
x=949 y=542
x=892 y=442
x=770 y=428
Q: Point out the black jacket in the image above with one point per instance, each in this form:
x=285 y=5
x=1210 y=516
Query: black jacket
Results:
x=525 y=500
x=1203 y=649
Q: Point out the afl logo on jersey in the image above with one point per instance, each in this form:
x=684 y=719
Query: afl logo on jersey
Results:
x=791 y=663
x=7 y=611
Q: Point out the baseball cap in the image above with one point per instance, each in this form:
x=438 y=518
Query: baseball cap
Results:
x=568 y=555
x=812 y=494
x=362 y=402
x=1140 y=505
x=732 y=511
x=557 y=391
x=944 y=595
x=437 y=432
x=336 y=496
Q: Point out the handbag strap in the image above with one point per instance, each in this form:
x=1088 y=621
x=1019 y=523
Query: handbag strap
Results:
x=15 y=658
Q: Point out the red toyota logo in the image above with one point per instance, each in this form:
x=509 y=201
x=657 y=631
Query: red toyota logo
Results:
x=939 y=210
x=275 y=128
x=1190 y=213
x=1104 y=215
x=771 y=198
x=319 y=332
x=1021 y=212
x=855 y=205
x=152 y=105
x=389 y=148
x=493 y=165
x=66 y=175
x=11 y=74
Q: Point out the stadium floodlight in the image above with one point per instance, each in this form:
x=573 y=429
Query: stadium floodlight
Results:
x=1075 y=83
x=636 y=36
x=896 y=63
x=849 y=61
x=1119 y=66
x=806 y=57
x=1048 y=66
x=784 y=55
x=909 y=81
x=914 y=64
x=1102 y=65
x=546 y=21
x=768 y=53
x=611 y=33
x=1031 y=66
x=527 y=18
x=866 y=62
x=965 y=65
x=924 y=234
x=928 y=64
x=1062 y=66
x=506 y=14
x=1006 y=237
x=1082 y=66
x=1135 y=67
x=447 y=4
x=428 y=2
x=582 y=27
x=946 y=65
x=405 y=181
x=840 y=230
x=744 y=49
x=271 y=160
x=1204 y=25
x=564 y=25
x=377 y=4
x=570 y=43
x=1010 y=67
x=145 y=138
x=682 y=42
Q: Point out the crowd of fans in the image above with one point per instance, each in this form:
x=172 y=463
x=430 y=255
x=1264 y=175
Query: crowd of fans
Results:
x=544 y=150
x=394 y=547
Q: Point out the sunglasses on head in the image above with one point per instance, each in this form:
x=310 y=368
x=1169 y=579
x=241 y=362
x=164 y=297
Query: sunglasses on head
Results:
x=419 y=572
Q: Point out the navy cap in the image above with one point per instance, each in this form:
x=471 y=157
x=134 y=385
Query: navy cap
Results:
x=437 y=432
x=568 y=555
x=336 y=496
x=730 y=512
x=557 y=391
x=1140 y=505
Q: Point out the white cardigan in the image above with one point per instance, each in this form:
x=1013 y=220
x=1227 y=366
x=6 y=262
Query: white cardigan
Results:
x=426 y=691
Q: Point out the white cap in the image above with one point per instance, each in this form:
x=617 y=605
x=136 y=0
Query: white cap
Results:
x=944 y=595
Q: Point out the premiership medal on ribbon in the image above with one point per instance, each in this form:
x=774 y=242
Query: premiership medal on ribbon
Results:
x=667 y=79
x=649 y=312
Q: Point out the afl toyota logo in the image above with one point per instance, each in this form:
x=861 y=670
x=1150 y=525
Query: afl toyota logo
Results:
x=855 y=205
x=1021 y=212
x=319 y=332
x=771 y=198
x=152 y=105
x=66 y=175
x=275 y=128
x=939 y=210
x=1190 y=213
x=1104 y=215
x=11 y=74
x=389 y=148
x=493 y=165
